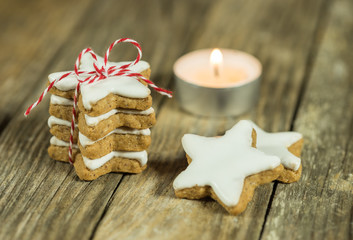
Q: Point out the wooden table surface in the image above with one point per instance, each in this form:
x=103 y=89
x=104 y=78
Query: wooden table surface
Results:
x=306 y=51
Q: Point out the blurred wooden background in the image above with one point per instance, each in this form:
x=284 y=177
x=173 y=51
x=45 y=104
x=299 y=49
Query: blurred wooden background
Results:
x=306 y=51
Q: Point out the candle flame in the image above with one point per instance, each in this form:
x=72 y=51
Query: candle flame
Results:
x=216 y=60
x=216 y=57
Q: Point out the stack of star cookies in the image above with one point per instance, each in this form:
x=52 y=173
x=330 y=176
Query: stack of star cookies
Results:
x=60 y=110
x=61 y=104
x=114 y=120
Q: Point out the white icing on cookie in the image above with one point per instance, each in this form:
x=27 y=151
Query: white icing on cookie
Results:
x=223 y=162
x=124 y=86
x=57 y=121
x=277 y=144
x=66 y=84
x=87 y=64
x=93 y=121
x=69 y=83
x=93 y=164
x=55 y=141
x=85 y=141
x=57 y=100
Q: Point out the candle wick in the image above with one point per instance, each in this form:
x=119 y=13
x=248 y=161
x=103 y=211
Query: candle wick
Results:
x=216 y=70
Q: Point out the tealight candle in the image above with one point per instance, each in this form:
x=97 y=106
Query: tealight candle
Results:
x=218 y=82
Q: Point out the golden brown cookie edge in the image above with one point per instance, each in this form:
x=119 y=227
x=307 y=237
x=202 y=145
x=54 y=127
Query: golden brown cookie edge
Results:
x=60 y=153
x=116 y=142
x=121 y=165
x=115 y=121
x=289 y=175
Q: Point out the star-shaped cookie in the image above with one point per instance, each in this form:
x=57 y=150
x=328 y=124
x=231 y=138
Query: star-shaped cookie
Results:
x=227 y=168
x=287 y=146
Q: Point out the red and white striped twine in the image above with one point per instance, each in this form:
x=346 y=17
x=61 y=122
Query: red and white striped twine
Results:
x=97 y=75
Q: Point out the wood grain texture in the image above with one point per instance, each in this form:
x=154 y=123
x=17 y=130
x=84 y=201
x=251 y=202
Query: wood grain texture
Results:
x=34 y=202
x=44 y=199
x=31 y=37
x=321 y=205
x=139 y=200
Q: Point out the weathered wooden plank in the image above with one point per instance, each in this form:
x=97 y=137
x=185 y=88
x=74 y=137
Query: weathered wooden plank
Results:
x=144 y=206
x=29 y=44
x=320 y=206
x=31 y=37
x=43 y=199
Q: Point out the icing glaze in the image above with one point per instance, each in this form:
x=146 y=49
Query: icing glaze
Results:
x=57 y=100
x=98 y=162
x=66 y=84
x=223 y=162
x=120 y=85
x=92 y=121
x=87 y=63
x=57 y=121
x=85 y=141
x=70 y=82
x=277 y=144
x=55 y=141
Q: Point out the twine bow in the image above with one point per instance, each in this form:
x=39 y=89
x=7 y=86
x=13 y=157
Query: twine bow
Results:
x=98 y=74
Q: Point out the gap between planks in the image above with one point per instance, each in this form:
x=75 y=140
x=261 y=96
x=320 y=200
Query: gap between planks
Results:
x=159 y=105
x=320 y=29
x=316 y=19
x=43 y=74
x=313 y=52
